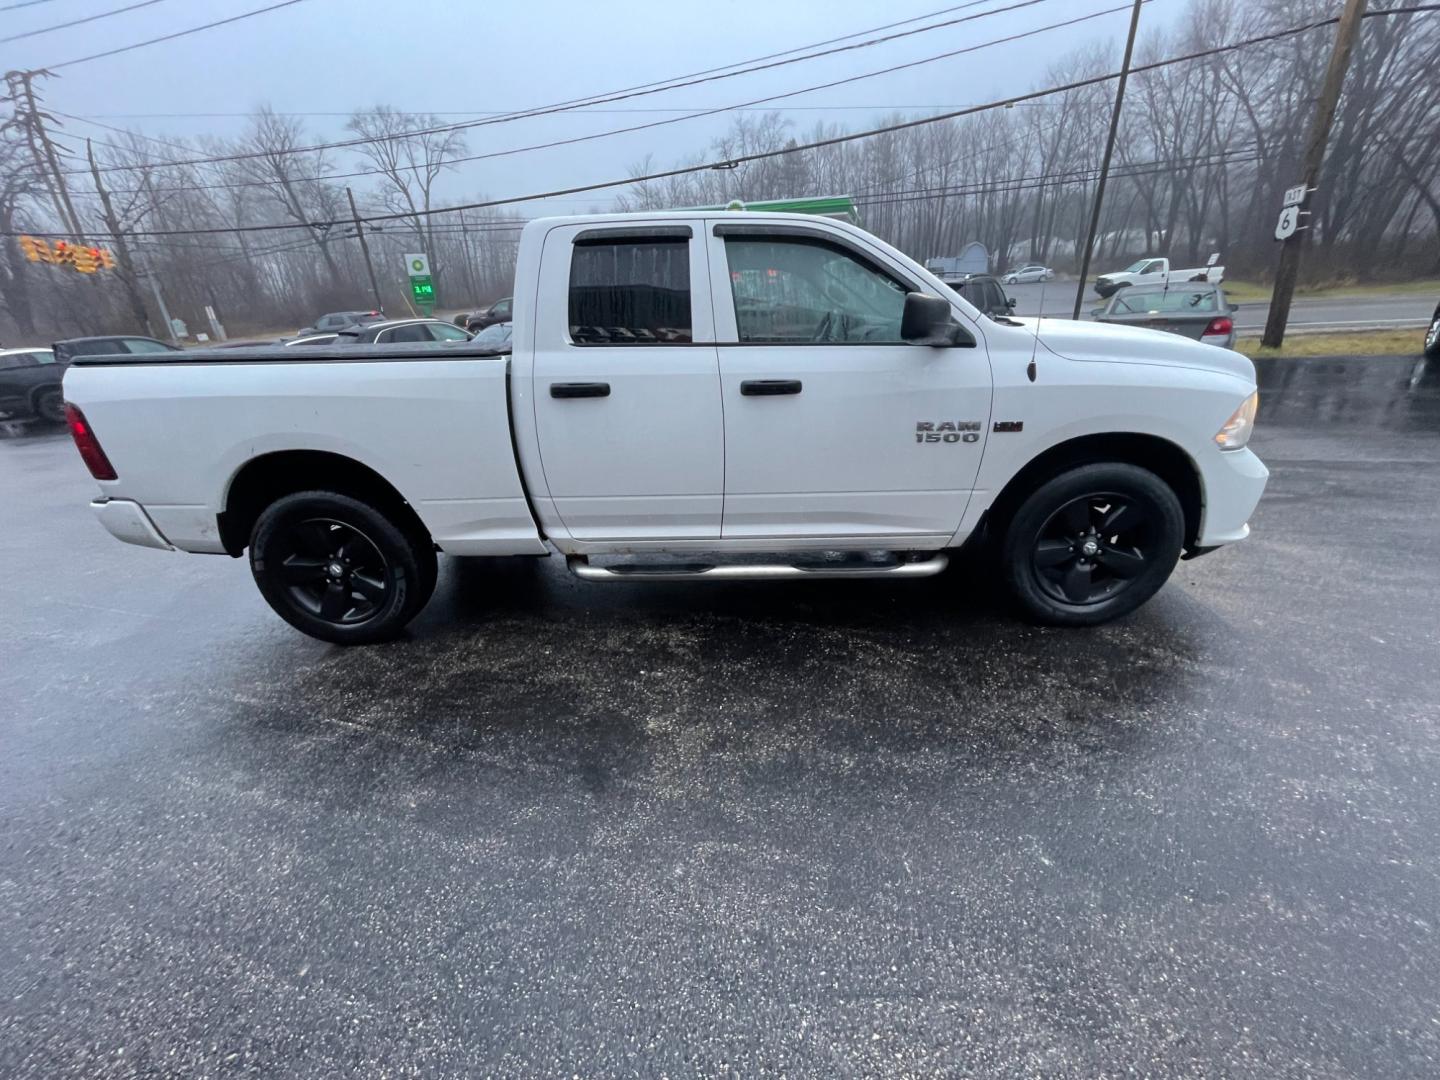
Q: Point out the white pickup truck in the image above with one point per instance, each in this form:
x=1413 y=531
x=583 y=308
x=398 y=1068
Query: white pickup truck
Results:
x=691 y=396
x=1154 y=272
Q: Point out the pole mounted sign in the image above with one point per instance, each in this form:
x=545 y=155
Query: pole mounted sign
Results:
x=422 y=289
x=1290 y=212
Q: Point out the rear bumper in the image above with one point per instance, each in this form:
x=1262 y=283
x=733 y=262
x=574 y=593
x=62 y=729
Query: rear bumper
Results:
x=1234 y=482
x=126 y=520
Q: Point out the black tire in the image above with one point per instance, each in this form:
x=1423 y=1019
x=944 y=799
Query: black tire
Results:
x=1432 y=337
x=340 y=569
x=49 y=404
x=1092 y=544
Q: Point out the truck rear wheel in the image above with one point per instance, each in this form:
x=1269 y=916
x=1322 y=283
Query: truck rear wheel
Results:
x=339 y=569
x=1092 y=544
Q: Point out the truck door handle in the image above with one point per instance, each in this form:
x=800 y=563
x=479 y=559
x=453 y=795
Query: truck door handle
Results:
x=769 y=387
x=579 y=389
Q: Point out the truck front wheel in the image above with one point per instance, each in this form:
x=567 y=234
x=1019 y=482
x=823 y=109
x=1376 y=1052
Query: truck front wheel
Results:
x=339 y=569
x=1092 y=544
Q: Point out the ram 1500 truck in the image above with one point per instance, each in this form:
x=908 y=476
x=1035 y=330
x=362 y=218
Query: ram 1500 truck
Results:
x=709 y=395
x=1154 y=272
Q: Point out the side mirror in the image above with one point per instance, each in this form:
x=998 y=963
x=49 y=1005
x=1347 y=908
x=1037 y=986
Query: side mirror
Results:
x=927 y=321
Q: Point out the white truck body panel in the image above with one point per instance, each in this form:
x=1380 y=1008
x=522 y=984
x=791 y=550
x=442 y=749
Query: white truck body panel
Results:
x=438 y=430
x=675 y=458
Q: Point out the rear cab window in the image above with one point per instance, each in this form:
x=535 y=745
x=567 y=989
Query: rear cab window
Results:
x=631 y=287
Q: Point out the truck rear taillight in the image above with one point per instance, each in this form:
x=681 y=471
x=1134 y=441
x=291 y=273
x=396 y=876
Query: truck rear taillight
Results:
x=89 y=446
x=1222 y=324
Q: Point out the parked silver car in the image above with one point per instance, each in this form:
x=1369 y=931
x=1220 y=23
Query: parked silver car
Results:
x=1194 y=309
x=1026 y=274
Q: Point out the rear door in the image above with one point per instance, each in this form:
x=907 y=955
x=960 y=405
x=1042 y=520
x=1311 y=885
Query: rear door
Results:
x=626 y=383
x=834 y=426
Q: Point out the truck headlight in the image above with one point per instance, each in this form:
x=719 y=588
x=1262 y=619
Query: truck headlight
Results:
x=1236 y=432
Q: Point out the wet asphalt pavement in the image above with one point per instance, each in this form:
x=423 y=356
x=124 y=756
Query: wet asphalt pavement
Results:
x=826 y=829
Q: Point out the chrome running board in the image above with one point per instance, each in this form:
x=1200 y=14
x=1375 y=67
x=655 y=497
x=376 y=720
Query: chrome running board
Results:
x=580 y=566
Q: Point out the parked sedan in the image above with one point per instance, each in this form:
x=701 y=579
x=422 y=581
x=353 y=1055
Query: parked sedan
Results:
x=1027 y=274
x=1196 y=310
x=338 y=320
x=399 y=331
x=1432 y=336
x=496 y=337
x=30 y=384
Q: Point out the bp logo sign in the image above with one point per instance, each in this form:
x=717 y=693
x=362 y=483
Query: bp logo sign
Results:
x=417 y=265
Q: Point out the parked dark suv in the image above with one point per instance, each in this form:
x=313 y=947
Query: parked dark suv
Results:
x=30 y=384
x=495 y=313
x=67 y=350
x=985 y=292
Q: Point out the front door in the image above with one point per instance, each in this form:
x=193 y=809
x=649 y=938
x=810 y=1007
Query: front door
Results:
x=834 y=426
x=626 y=384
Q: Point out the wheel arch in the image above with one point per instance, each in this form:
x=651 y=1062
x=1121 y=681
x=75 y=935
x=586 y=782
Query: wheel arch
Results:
x=1165 y=459
x=267 y=477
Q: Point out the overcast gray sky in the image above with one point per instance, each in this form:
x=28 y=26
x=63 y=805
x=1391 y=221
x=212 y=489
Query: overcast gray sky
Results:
x=328 y=57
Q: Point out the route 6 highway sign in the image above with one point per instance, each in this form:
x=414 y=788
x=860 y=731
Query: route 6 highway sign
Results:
x=1288 y=223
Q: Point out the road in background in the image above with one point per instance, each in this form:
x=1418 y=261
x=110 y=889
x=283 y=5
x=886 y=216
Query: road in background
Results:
x=815 y=829
x=1355 y=313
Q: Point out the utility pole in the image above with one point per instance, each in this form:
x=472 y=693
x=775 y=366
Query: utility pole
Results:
x=1105 y=161
x=160 y=303
x=124 y=267
x=1289 y=269
x=22 y=87
x=365 y=249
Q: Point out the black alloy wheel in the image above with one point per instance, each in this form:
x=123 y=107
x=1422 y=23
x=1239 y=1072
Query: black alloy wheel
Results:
x=334 y=571
x=1091 y=548
x=50 y=405
x=1092 y=544
x=341 y=569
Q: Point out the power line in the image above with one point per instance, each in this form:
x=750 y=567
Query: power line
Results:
x=23 y=3
x=817 y=144
x=171 y=37
x=678 y=119
x=482 y=112
x=603 y=99
x=77 y=22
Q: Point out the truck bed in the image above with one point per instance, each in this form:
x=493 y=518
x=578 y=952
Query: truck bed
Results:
x=433 y=420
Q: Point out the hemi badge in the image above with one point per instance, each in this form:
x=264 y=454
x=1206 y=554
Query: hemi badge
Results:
x=1009 y=425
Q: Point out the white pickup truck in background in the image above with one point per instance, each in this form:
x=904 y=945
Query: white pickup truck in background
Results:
x=761 y=395
x=1151 y=271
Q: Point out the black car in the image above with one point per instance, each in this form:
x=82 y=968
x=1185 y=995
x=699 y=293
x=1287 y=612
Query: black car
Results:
x=67 y=350
x=985 y=292
x=30 y=384
x=1432 y=336
x=399 y=331
x=497 y=312
x=339 y=320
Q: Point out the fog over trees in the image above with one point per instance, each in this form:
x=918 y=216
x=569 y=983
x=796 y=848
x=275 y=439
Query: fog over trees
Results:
x=1205 y=149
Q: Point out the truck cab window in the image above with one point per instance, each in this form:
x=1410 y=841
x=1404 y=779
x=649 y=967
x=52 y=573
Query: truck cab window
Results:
x=795 y=290
x=630 y=292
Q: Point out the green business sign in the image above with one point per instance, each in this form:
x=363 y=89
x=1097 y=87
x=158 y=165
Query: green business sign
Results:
x=423 y=290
